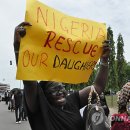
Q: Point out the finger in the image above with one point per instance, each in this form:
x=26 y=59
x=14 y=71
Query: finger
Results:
x=19 y=29
x=22 y=32
x=24 y=24
x=107 y=50
x=106 y=42
x=106 y=46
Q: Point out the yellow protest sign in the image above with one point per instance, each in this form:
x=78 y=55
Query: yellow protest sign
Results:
x=58 y=47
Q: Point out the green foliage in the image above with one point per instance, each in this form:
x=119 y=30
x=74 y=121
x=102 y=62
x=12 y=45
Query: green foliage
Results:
x=92 y=77
x=74 y=86
x=119 y=70
x=127 y=71
x=83 y=85
x=112 y=101
x=121 y=64
x=112 y=75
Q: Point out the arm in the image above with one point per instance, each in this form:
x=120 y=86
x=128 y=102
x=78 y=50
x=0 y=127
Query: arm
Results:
x=30 y=88
x=101 y=77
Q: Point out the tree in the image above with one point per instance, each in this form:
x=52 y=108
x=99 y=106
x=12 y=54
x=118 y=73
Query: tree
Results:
x=83 y=85
x=127 y=71
x=112 y=75
x=121 y=64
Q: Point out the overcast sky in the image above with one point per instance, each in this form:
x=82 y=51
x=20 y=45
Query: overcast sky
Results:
x=114 y=13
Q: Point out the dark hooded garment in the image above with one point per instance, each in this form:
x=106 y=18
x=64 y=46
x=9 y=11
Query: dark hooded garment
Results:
x=48 y=117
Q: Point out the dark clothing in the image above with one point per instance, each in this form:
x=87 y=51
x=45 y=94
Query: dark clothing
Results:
x=18 y=99
x=48 y=117
x=6 y=97
x=105 y=106
x=24 y=115
x=18 y=106
x=24 y=111
x=18 y=113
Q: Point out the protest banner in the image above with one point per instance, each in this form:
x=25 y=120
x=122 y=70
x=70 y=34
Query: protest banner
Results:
x=58 y=47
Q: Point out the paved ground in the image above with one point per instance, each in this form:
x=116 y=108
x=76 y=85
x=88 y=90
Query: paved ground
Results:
x=7 y=120
x=113 y=110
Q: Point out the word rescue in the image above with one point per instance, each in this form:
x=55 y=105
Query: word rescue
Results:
x=59 y=43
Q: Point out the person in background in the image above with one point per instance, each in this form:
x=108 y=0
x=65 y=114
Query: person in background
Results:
x=0 y=98
x=24 y=111
x=48 y=106
x=121 y=120
x=9 y=101
x=18 y=106
x=12 y=102
x=6 y=95
x=104 y=104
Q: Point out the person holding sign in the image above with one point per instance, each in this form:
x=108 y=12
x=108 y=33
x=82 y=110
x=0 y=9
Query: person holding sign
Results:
x=47 y=103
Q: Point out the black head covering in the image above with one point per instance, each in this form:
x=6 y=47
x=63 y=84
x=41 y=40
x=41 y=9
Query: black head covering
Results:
x=47 y=84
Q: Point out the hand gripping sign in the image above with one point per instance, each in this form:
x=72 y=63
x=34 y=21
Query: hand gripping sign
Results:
x=58 y=47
